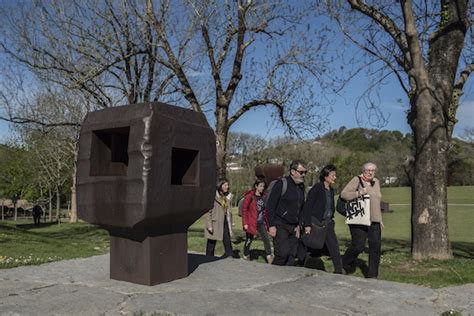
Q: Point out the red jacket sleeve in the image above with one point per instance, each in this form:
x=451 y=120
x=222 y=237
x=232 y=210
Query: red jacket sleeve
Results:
x=245 y=209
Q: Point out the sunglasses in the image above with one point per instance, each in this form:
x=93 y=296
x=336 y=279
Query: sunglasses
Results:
x=302 y=172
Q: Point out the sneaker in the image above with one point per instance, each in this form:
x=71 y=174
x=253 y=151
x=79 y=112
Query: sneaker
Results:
x=246 y=257
x=269 y=259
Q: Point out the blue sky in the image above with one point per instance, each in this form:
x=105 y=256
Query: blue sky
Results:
x=259 y=122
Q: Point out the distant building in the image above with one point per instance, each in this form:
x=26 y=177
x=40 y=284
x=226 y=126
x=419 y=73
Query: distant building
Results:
x=390 y=180
x=234 y=166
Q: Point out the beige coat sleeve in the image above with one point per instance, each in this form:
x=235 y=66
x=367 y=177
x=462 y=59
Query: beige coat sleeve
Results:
x=350 y=190
x=209 y=218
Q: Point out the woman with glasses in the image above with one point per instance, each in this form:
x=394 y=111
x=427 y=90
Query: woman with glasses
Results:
x=370 y=185
x=254 y=219
x=219 y=221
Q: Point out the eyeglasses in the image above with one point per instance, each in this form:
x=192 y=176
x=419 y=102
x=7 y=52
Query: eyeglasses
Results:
x=302 y=172
x=370 y=170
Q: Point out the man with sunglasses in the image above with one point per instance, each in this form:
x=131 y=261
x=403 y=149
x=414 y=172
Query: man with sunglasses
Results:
x=283 y=213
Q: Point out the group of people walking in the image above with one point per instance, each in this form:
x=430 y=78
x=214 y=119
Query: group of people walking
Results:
x=286 y=216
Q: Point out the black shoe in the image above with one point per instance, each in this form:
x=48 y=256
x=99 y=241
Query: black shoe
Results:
x=299 y=263
x=349 y=269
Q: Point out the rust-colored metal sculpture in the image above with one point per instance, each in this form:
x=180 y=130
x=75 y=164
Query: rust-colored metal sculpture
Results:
x=269 y=172
x=145 y=173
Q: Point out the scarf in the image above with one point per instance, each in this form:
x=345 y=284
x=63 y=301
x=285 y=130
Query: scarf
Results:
x=223 y=201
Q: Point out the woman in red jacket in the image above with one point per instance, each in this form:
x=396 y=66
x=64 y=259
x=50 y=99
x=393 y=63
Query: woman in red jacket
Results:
x=254 y=219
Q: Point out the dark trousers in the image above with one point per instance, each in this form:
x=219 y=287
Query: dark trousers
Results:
x=211 y=244
x=36 y=219
x=360 y=234
x=262 y=232
x=285 y=244
x=332 y=246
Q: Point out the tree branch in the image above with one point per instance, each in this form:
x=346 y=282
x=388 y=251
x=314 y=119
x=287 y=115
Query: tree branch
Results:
x=459 y=84
x=418 y=69
x=23 y=120
x=384 y=21
x=259 y=102
x=174 y=63
x=215 y=68
x=239 y=52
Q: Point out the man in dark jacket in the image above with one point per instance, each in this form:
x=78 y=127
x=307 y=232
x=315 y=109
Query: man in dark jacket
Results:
x=284 y=214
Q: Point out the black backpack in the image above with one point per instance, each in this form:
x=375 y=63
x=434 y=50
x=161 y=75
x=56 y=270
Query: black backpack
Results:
x=270 y=187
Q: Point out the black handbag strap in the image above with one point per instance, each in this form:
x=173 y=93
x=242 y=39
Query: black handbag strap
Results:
x=360 y=182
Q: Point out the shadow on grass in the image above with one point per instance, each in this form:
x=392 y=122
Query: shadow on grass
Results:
x=30 y=226
x=73 y=231
x=463 y=250
x=55 y=235
x=460 y=249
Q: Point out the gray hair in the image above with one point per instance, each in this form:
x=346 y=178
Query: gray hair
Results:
x=295 y=163
x=367 y=165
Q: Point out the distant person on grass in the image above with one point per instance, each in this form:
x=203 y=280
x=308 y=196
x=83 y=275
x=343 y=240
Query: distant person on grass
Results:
x=254 y=219
x=284 y=214
x=37 y=211
x=219 y=221
x=360 y=233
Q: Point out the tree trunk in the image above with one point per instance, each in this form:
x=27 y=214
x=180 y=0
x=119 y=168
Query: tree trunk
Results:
x=73 y=218
x=16 y=211
x=222 y=132
x=434 y=119
x=58 y=202
x=50 y=204
x=429 y=190
x=221 y=154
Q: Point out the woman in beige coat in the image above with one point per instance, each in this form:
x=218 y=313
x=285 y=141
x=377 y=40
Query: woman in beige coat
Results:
x=360 y=233
x=219 y=221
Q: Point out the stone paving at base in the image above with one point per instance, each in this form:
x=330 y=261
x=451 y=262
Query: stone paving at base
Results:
x=217 y=287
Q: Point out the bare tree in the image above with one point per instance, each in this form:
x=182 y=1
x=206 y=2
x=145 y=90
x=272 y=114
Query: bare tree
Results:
x=427 y=46
x=248 y=54
x=221 y=58
x=54 y=153
x=98 y=47
x=47 y=123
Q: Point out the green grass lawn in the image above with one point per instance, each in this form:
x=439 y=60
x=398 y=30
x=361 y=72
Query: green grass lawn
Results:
x=396 y=263
x=23 y=244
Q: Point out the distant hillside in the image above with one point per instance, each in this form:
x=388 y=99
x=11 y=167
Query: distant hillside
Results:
x=366 y=140
x=348 y=149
